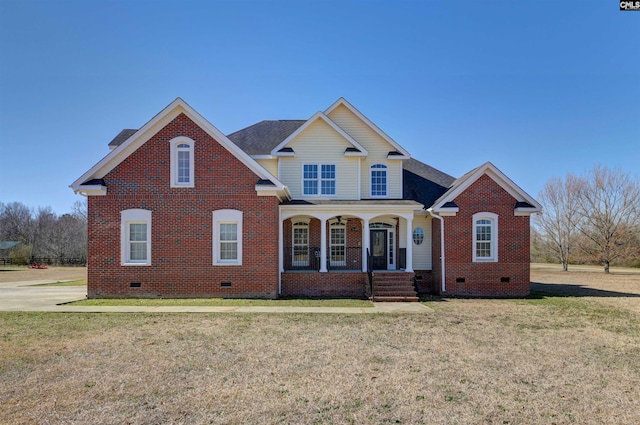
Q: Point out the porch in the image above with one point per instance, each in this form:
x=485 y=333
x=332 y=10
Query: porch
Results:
x=328 y=248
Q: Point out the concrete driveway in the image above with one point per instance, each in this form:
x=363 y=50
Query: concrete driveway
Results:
x=31 y=296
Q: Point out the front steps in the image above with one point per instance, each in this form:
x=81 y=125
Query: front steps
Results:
x=393 y=287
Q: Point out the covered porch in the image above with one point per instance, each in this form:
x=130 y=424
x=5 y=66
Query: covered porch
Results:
x=328 y=247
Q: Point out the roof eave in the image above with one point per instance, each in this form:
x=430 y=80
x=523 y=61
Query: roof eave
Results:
x=90 y=190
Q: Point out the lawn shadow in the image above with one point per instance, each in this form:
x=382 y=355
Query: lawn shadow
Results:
x=573 y=290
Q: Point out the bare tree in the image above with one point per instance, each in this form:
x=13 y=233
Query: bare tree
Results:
x=16 y=223
x=609 y=205
x=560 y=216
x=80 y=210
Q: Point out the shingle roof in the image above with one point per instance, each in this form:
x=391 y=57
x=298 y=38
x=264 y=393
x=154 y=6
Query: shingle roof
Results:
x=423 y=183
x=261 y=138
x=121 y=137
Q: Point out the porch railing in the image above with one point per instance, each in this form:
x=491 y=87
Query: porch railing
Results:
x=370 y=274
x=341 y=258
x=308 y=258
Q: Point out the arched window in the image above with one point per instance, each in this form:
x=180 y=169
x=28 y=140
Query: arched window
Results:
x=378 y=180
x=338 y=244
x=485 y=237
x=300 y=242
x=182 y=166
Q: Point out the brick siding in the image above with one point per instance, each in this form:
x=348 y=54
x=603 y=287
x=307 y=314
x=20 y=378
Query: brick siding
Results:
x=331 y=284
x=182 y=221
x=507 y=277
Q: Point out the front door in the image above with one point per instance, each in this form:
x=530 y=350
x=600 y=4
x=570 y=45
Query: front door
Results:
x=379 y=249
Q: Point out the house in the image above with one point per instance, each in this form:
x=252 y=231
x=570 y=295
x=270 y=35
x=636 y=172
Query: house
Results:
x=296 y=208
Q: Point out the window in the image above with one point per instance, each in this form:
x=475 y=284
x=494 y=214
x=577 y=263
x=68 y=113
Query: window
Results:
x=337 y=243
x=321 y=182
x=328 y=179
x=300 y=244
x=228 y=241
x=418 y=236
x=378 y=180
x=182 y=166
x=485 y=237
x=135 y=229
x=227 y=237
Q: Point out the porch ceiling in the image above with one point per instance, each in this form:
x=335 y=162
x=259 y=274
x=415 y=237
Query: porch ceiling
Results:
x=355 y=207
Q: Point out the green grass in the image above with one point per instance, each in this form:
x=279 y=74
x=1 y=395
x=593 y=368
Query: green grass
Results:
x=224 y=302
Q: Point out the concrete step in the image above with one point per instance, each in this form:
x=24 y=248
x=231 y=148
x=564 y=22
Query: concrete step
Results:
x=396 y=299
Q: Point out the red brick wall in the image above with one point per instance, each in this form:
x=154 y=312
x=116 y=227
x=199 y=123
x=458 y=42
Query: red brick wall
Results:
x=353 y=236
x=182 y=220
x=485 y=279
x=331 y=284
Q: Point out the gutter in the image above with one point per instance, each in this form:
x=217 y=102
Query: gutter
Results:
x=442 y=262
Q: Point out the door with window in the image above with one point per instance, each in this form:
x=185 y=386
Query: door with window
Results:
x=378 y=249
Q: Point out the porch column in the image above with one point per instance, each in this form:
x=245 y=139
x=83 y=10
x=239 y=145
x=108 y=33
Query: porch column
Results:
x=365 y=243
x=323 y=244
x=280 y=244
x=409 y=260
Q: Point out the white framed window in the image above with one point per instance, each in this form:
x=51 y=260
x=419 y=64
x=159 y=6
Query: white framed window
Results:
x=319 y=179
x=418 y=236
x=378 y=180
x=227 y=237
x=310 y=179
x=328 y=179
x=182 y=162
x=338 y=244
x=135 y=237
x=485 y=237
x=300 y=242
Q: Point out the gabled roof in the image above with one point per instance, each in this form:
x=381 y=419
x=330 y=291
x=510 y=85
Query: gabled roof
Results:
x=423 y=183
x=261 y=138
x=88 y=181
x=342 y=101
x=525 y=204
x=319 y=116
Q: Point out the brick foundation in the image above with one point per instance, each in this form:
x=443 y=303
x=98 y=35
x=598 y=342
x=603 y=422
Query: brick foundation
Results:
x=330 y=284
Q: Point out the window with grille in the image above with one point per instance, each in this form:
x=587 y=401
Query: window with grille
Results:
x=378 y=180
x=485 y=237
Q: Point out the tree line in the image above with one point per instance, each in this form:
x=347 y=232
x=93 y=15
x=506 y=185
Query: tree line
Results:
x=589 y=219
x=43 y=234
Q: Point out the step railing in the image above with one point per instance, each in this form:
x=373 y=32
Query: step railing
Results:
x=370 y=274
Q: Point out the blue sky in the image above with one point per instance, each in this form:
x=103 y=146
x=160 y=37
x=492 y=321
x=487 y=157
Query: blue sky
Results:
x=539 y=88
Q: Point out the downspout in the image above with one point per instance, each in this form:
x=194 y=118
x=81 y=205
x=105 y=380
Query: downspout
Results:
x=430 y=211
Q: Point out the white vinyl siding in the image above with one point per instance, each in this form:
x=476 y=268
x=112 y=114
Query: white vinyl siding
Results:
x=320 y=144
x=271 y=165
x=378 y=149
x=422 y=253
